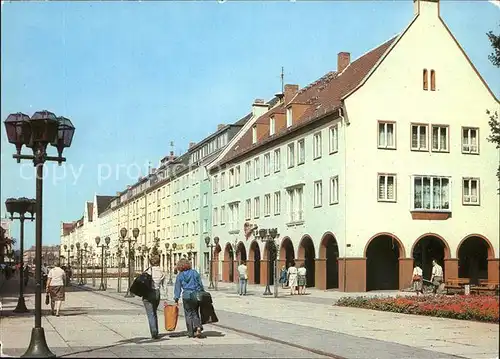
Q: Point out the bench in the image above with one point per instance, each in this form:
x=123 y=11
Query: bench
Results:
x=486 y=287
x=454 y=285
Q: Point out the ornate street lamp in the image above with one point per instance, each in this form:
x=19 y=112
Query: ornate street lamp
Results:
x=37 y=132
x=80 y=252
x=103 y=246
x=268 y=236
x=211 y=258
x=119 y=252
x=21 y=206
x=123 y=234
x=170 y=260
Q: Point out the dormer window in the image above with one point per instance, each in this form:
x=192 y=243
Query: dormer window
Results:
x=272 y=126
x=288 y=117
x=254 y=134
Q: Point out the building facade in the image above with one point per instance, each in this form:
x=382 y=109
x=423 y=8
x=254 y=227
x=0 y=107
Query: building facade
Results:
x=358 y=207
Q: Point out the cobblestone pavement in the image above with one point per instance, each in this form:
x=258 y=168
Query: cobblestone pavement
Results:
x=108 y=324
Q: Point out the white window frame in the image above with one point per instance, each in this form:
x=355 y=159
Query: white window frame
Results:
x=223 y=181
x=432 y=179
x=468 y=148
x=333 y=132
x=419 y=127
x=267 y=205
x=277 y=160
x=248 y=209
x=205 y=200
x=222 y=215
x=237 y=176
x=277 y=203
x=267 y=164
x=248 y=171
x=334 y=190
x=385 y=132
x=272 y=126
x=215 y=215
x=290 y=155
x=231 y=178
x=256 y=167
x=295 y=204
x=440 y=147
x=254 y=134
x=317 y=145
x=205 y=225
x=385 y=197
x=215 y=183
x=289 y=119
x=256 y=207
x=301 y=151
x=318 y=193
x=469 y=199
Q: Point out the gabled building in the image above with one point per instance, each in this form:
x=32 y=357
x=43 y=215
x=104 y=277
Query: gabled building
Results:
x=377 y=165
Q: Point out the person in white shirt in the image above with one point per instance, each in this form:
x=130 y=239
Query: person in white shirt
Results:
x=418 y=279
x=56 y=279
x=437 y=275
x=292 y=277
x=243 y=274
x=151 y=303
x=301 y=278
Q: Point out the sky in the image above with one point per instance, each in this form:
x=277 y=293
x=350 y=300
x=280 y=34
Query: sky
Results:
x=134 y=76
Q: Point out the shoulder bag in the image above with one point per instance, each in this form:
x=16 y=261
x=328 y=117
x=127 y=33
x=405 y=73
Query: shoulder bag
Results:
x=142 y=285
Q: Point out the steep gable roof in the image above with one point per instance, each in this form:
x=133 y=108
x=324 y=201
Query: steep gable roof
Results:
x=322 y=97
x=103 y=203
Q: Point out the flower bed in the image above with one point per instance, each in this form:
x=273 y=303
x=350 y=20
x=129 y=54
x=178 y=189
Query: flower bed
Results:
x=466 y=307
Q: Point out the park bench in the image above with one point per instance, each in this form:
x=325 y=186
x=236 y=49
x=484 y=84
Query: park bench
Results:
x=454 y=285
x=486 y=287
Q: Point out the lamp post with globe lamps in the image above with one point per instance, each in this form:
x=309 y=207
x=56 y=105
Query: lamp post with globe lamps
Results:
x=80 y=254
x=211 y=258
x=103 y=247
x=37 y=132
x=21 y=206
x=123 y=235
x=169 y=262
x=268 y=236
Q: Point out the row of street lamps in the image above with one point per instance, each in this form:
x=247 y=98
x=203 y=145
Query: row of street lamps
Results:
x=37 y=132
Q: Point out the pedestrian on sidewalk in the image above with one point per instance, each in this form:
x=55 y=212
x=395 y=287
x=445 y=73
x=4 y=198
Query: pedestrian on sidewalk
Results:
x=418 y=279
x=55 y=288
x=283 y=276
x=292 y=277
x=243 y=273
x=189 y=282
x=437 y=276
x=151 y=303
x=301 y=278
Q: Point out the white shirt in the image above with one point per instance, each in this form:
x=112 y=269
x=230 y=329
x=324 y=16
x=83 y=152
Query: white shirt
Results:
x=302 y=271
x=158 y=276
x=56 y=276
x=243 y=271
x=437 y=270
x=417 y=271
x=292 y=271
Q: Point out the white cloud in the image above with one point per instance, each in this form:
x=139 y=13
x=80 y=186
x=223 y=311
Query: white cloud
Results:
x=495 y=2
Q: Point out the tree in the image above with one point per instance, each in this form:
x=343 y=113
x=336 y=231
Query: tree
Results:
x=494 y=122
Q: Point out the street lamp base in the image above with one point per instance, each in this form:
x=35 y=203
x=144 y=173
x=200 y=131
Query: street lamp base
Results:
x=268 y=290
x=38 y=347
x=21 y=306
x=102 y=287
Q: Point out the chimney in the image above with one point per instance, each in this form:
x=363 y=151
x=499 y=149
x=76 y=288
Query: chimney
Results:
x=220 y=126
x=259 y=107
x=426 y=7
x=192 y=144
x=343 y=60
x=290 y=92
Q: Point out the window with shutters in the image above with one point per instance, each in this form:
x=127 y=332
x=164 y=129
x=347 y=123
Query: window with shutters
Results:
x=419 y=137
x=470 y=191
x=440 y=138
x=470 y=140
x=386 y=135
x=387 y=188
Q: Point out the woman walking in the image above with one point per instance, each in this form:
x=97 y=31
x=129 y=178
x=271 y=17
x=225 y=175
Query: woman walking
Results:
x=151 y=303
x=55 y=288
x=188 y=284
x=301 y=278
x=292 y=277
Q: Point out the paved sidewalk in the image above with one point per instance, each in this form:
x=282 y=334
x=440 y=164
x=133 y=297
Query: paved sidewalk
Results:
x=93 y=325
x=352 y=332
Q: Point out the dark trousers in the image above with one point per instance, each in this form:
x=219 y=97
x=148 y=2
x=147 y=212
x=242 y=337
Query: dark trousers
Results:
x=192 y=315
x=151 y=305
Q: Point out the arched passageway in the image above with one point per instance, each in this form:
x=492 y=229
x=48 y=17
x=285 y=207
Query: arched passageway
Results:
x=307 y=256
x=255 y=256
x=241 y=252
x=473 y=253
x=287 y=252
x=329 y=250
x=382 y=263
x=427 y=248
x=229 y=259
